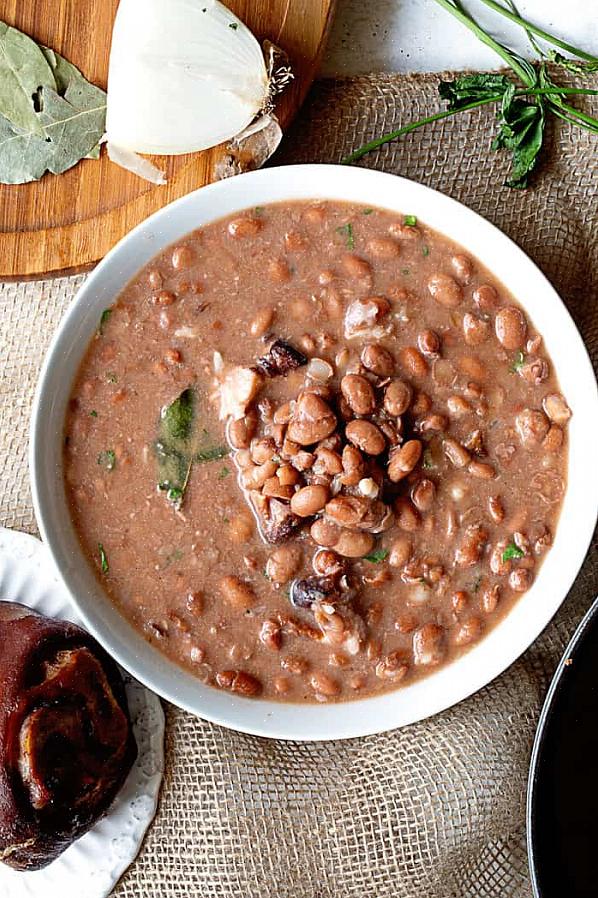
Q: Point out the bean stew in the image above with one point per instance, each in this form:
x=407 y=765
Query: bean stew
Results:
x=315 y=451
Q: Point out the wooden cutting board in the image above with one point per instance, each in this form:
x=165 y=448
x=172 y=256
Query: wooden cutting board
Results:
x=70 y=221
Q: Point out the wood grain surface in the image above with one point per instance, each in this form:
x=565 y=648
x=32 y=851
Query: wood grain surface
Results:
x=70 y=221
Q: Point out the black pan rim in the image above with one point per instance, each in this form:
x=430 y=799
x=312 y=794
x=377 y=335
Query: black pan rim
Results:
x=553 y=689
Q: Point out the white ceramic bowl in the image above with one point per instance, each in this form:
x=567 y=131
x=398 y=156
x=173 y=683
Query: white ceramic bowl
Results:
x=506 y=641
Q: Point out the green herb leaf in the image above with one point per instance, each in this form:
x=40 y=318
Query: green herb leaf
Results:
x=233 y=25
x=104 y=566
x=66 y=118
x=93 y=413
x=522 y=132
x=410 y=221
x=573 y=65
x=512 y=551
x=518 y=363
x=223 y=473
x=405 y=271
x=213 y=454
x=107 y=459
x=111 y=377
x=472 y=89
x=347 y=231
x=425 y=251
x=181 y=443
x=377 y=557
x=366 y=211
x=105 y=317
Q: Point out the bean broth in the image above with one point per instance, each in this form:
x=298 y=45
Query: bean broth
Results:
x=315 y=451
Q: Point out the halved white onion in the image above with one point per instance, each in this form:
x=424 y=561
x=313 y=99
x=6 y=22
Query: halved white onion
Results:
x=185 y=75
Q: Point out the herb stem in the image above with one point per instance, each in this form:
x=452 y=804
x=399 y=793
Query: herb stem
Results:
x=479 y=32
x=412 y=126
x=540 y=32
x=438 y=116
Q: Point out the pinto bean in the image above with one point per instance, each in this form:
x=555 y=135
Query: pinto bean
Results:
x=393 y=667
x=383 y=248
x=359 y=394
x=520 y=579
x=481 y=470
x=463 y=267
x=469 y=631
x=323 y=684
x=263 y=450
x=496 y=509
x=356 y=512
x=378 y=360
x=532 y=426
x=553 y=440
x=271 y=635
x=283 y=564
x=535 y=371
x=429 y=343
x=458 y=407
x=407 y=517
x=475 y=330
x=241 y=228
x=236 y=593
x=327 y=563
x=354 y=543
x=309 y=500
x=165 y=298
x=445 y=290
x=356 y=267
x=556 y=408
x=397 y=397
x=353 y=466
x=366 y=436
x=262 y=322
x=490 y=598
x=325 y=533
x=511 y=327
x=429 y=645
x=413 y=361
x=182 y=257
x=402 y=461
x=313 y=420
x=472 y=546
x=485 y=297
x=400 y=551
x=423 y=494
x=432 y=423
x=279 y=271
x=455 y=452
x=239 y=681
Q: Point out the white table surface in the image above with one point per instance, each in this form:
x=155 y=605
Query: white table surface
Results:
x=419 y=36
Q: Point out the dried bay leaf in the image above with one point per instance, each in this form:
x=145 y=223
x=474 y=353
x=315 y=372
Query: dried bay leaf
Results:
x=66 y=118
x=24 y=70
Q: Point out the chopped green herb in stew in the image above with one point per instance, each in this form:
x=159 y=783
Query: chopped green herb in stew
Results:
x=377 y=557
x=410 y=221
x=107 y=459
x=518 y=363
x=104 y=566
x=347 y=231
x=512 y=551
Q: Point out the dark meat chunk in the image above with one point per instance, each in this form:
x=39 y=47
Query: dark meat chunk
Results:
x=313 y=590
x=280 y=359
x=277 y=522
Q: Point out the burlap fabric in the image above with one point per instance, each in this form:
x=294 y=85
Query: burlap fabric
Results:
x=432 y=811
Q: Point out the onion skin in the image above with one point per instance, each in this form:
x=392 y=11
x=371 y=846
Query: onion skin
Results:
x=66 y=742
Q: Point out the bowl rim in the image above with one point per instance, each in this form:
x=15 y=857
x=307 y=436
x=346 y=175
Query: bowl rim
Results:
x=365 y=716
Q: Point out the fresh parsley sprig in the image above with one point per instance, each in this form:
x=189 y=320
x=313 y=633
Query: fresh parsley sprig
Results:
x=524 y=107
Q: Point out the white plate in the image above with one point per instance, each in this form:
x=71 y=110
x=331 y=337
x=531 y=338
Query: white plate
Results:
x=92 y=866
x=507 y=640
